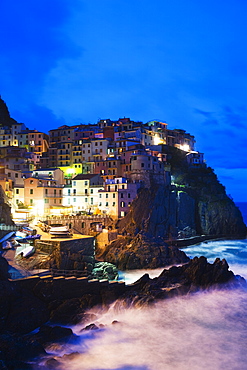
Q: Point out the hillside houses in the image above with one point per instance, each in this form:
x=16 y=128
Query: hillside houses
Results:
x=94 y=168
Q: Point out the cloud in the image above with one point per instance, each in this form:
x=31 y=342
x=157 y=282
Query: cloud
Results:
x=33 y=40
x=225 y=141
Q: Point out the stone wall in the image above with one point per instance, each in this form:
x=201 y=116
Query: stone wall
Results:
x=86 y=225
x=50 y=288
x=69 y=254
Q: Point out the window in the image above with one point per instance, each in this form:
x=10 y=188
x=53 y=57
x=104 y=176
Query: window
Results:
x=31 y=191
x=100 y=195
x=16 y=175
x=31 y=181
x=122 y=186
x=122 y=204
x=106 y=204
x=85 y=183
x=85 y=200
x=74 y=200
x=142 y=164
x=106 y=195
x=46 y=191
x=91 y=191
x=31 y=201
x=83 y=225
x=91 y=200
x=113 y=195
x=16 y=191
x=46 y=200
x=113 y=204
x=74 y=183
x=128 y=195
x=121 y=195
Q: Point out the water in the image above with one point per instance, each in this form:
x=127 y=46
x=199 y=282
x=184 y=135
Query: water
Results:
x=207 y=330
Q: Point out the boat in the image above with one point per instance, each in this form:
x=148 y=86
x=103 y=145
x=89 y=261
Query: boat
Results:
x=33 y=237
x=25 y=250
x=59 y=230
x=7 y=236
x=6 y=245
x=20 y=235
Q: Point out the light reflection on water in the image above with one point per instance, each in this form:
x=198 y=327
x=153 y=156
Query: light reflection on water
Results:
x=207 y=330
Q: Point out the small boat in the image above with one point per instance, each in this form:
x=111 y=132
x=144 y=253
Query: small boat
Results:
x=6 y=245
x=33 y=237
x=20 y=234
x=7 y=236
x=59 y=231
x=25 y=250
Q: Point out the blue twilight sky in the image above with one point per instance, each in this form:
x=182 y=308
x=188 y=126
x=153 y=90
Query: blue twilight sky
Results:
x=180 y=61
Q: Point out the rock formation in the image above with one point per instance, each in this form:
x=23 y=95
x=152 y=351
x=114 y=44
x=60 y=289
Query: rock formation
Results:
x=142 y=251
x=195 y=204
x=5 y=209
x=5 y=119
x=27 y=305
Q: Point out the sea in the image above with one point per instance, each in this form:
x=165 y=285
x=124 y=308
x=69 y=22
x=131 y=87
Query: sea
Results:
x=202 y=331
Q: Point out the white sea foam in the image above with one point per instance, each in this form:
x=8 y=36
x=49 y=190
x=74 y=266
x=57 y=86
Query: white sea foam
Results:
x=203 y=331
x=207 y=330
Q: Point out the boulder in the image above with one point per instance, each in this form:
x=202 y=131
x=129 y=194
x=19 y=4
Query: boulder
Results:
x=142 y=252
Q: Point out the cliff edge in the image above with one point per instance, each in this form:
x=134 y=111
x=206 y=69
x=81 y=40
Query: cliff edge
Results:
x=194 y=204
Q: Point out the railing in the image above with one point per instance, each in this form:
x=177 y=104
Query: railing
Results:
x=53 y=196
x=49 y=186
x=9 y=227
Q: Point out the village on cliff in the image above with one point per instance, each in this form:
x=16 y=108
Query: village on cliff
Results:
x=85 y=169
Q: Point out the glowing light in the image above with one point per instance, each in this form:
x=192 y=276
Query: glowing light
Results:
x=185 y=147
x=158 y=140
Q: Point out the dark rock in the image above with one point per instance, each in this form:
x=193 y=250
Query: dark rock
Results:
x=19 y=348
x=196 y=205
x=26 y=314
x=47 y=334
x=115 y=322
x=142 y=252
x=5 y=119
x=72 y=311
x=104 y=270
x=4 y=267
x=91 y=327
x=52 y=363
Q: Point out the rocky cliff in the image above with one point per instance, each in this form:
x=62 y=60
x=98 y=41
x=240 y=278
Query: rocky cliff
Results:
x=195 y=204
x=5 y=209
x=5 y=119
x=185 y=210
